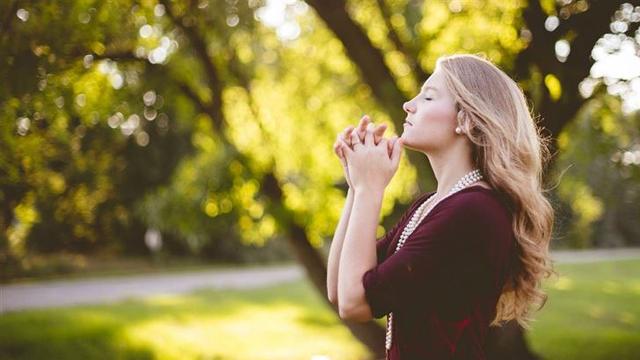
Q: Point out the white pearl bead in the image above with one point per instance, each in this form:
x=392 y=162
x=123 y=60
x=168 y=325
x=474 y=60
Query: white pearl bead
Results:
x=417 y=218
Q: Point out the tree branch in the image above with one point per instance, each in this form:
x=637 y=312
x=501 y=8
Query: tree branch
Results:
x=200 y=47
x=366 y=57
x=410 y=54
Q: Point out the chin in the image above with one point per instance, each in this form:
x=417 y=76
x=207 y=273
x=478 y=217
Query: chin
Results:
x=406 y=143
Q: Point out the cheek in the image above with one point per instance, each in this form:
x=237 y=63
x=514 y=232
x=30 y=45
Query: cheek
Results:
x=438 y=114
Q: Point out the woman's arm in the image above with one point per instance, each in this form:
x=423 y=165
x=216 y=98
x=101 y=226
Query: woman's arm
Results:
x=336 y=249
x=358 y=255
x=338 y=237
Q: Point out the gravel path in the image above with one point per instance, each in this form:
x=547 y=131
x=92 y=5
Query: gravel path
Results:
x=111 y=289
x=56 y=293
x=591 y=255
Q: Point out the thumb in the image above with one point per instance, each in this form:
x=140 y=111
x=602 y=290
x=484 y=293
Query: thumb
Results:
x=396 y=153
x=390 y=145
x=346 y=149
x=341 y=155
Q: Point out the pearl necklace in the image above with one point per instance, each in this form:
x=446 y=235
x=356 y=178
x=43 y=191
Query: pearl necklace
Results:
x=417 y=218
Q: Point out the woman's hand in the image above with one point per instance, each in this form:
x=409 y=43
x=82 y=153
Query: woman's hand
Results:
x=344 y=139
x=370 y=166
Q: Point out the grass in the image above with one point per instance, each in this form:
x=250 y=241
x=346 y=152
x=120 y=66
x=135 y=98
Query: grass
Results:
x=592 y=313
x=288 y=321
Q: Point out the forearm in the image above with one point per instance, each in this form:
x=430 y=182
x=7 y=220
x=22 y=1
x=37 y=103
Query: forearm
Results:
x=336 y=248
x=359 y=249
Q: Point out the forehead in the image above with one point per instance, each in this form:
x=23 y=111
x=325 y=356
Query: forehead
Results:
x=434 y=82
x=427 y=87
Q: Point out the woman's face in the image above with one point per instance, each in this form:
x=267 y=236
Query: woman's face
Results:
x=431 y=116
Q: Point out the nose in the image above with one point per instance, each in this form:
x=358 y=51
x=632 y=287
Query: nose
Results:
x=407 y=107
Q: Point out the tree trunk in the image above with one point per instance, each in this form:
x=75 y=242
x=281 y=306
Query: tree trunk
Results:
x=370 y=333
x=508 y=342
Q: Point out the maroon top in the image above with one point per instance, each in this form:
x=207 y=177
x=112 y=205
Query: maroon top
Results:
x=444 y=283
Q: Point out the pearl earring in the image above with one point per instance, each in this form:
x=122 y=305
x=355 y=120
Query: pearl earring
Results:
x=458 y=129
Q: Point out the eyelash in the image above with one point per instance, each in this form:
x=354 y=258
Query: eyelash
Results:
x=427 y=98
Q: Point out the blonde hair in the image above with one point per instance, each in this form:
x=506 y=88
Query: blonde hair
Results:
x=511 y=153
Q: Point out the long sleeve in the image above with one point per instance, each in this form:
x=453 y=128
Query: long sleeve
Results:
x=454 y=247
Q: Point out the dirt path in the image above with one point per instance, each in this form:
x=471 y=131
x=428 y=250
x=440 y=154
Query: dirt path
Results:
x=591 y=255
x=110 y=289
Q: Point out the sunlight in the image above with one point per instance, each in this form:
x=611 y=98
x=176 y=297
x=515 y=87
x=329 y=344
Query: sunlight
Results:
x=249 y=332
x=281 y=15
x=617 y=60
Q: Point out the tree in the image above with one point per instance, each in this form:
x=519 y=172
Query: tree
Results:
x=248 y=101
x=557 y=98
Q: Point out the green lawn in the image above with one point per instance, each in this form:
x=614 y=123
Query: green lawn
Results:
x=593 y=312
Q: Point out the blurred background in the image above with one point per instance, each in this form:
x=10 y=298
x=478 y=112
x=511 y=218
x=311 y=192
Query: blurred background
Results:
x=169 y=191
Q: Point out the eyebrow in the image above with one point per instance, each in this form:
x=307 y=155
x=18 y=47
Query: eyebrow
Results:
x=425 y=88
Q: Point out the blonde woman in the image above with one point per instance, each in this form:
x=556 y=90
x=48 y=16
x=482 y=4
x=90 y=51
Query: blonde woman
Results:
x=467 y=256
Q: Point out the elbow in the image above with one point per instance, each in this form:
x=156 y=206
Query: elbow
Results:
x=357 y=314
x=332 y=294
x=333 y=298
x=354 y=307
x=344 y=313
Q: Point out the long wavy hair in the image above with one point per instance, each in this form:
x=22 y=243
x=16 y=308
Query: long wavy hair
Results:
x=511 y=153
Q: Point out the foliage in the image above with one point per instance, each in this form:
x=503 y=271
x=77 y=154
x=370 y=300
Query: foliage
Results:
x=599 y=171
x=120 y=116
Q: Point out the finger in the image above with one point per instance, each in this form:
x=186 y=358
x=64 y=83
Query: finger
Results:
x=378 y=133
x=355 y=140
x=341 y=150
x=364 y=121
x=368 y=137
x=346 y=134
x=347 y=130
x=346 y=149
x=336 y=144
x=337 y=148
x=371 y=127
x=384 y=145
x=397 y=152
x=380 y=129
x=362 y=127
x=342 y=156
x=390 y=145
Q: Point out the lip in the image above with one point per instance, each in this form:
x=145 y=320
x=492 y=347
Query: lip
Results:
x=408 y=123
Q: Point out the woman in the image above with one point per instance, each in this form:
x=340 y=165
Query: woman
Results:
x=467 y=256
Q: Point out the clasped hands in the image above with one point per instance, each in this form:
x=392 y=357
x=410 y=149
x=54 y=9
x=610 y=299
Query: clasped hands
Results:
x=369 y=160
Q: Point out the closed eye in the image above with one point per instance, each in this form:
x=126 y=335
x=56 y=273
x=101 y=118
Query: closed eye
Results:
x=427 y=98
